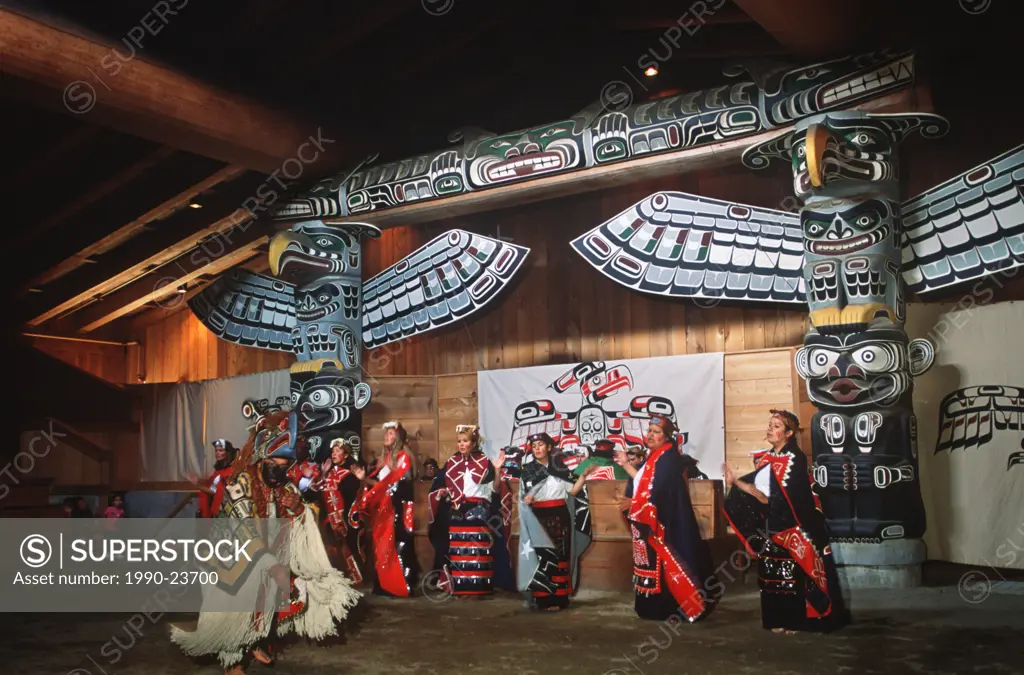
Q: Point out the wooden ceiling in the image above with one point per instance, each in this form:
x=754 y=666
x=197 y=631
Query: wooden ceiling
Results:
x=121 y=118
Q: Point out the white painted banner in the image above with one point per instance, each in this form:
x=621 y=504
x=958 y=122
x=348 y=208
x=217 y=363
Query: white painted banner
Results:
x=578 y=404
x=970 y=417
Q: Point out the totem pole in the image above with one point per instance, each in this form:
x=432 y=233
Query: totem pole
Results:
x=318 y=307
x=857 y=360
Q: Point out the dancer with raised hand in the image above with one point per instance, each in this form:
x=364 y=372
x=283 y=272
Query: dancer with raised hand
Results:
x=776 y=514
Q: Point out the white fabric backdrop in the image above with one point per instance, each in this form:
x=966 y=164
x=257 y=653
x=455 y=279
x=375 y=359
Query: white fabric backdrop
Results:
x=974 y=502
x=694 y=384
x=181 y=421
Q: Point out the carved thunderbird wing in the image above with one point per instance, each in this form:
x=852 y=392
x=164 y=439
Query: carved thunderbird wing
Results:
x=966 y=228
x=248 y=309
x=447 y=279
x=682 y=245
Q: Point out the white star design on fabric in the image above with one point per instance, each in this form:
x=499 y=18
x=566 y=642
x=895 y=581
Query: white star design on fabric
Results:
x=527 y=549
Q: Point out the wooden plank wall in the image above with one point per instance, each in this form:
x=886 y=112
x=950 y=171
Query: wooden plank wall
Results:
x=561 y=310
x=181 y=349
x=413 y=400
x=107 y=362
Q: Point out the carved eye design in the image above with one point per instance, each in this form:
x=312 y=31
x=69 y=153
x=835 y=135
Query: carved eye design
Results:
x=551 y=132
x=323 y=241
x=820 y=361
x=810 y=74
x=872 y=358
x=500 y=144
x=861 y=139
x=866 y=221
x=814 y=228
x=801 y=151
x=323 y=298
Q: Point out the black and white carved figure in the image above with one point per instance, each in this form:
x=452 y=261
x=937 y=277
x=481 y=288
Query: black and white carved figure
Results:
x=319 y=309
x=862 y=370
x=789 y=95
x=864 y=436
x=845 y=154
x=970 y=417
x=751 y=103
x=851 y=263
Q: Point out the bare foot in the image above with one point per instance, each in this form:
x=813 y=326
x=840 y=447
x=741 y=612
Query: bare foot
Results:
x=235 y=670
x=552 y=609
x=262 y=656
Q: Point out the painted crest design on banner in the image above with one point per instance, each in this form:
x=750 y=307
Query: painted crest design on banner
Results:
x=580 y=404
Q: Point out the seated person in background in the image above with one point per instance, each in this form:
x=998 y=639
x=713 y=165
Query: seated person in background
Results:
x=82 y=509
x=69 y=506
x=430 y=470
x=603 y=461
x=116 y=507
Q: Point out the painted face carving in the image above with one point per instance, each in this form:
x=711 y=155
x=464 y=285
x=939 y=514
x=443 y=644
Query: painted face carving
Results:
x=852 y=262
x=793 y=94
x=525 y=154
x=590 y=425
x=861 y=370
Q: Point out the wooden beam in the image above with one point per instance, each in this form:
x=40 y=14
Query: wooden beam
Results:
x=597 y=178
x=258 y=264
x=147 y=100
x=811 y=28
x=116 y=181
x=126 y=232
x=163 y=282
x=91 y=449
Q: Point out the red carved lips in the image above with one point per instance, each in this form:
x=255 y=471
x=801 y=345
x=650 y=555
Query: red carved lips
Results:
x=845 y=390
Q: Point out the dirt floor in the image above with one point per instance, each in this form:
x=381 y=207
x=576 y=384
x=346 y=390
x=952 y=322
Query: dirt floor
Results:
x=926 y=630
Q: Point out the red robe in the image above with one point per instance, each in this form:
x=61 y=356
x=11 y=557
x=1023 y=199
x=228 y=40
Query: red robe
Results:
x=378 y=508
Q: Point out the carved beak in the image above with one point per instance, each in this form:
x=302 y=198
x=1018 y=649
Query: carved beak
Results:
x=817 y=139
x=278 y=245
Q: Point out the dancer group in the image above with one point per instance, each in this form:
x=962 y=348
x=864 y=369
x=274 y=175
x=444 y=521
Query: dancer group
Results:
x=364 y=510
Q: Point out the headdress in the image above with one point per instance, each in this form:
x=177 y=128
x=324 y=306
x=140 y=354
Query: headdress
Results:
x=399 y=429
x=220 y=443
x=533 y=438
x=473 y=431
x=666 y=424
x=790 y=420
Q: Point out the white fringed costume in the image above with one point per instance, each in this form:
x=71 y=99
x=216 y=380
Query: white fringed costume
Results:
x=321 y=596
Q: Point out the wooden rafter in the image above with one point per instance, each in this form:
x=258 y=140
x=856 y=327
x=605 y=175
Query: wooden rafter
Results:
x=150 y=101
x=118 y=180
x=126 y=232
x=164 y=281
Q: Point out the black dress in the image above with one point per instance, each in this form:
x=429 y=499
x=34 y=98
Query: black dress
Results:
x=796 y=573
x=672 y=569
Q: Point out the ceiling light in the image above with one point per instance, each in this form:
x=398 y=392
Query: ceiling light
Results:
x=183 y=289
x=195 y=205
x=651 y=71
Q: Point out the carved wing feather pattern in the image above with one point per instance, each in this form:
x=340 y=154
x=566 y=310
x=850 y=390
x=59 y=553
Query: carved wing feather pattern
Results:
x=682 y=245
x=966 y=228
x=248 y=309
x=446 y=280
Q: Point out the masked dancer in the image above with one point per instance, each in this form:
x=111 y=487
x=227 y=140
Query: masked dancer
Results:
x=467 y=484
x=339 y=490
x=316 y=595
x=211 y=490
x=776 y=514
x=672 y=571
x=387 y=506
x=554 y=525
